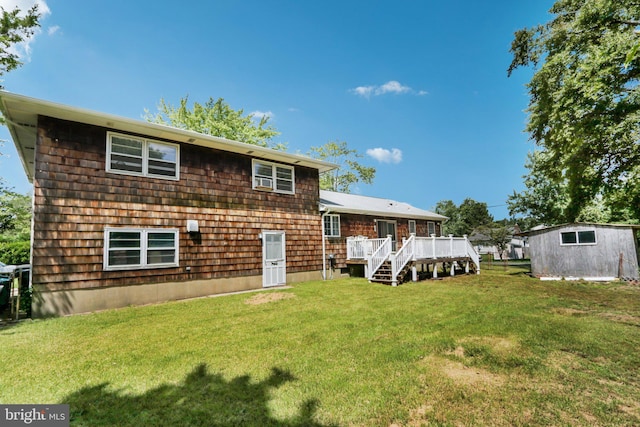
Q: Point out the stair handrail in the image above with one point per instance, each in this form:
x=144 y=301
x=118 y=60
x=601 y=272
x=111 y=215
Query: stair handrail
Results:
x=471 y=252
x=402 y=258
x=379 y=256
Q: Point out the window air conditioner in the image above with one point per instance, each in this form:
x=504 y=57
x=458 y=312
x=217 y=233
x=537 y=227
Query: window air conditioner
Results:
x=264 y=183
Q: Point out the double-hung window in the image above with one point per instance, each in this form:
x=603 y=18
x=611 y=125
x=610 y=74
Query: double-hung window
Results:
x=135 y=248
x=586 y=237
x=275 y=177
x=332 y=225
x=412 y=226
x=131 y=155
x=431 y=228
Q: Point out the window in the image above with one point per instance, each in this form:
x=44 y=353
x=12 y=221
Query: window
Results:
x=273 y=177
x=332 y=225
x=131 y=248
x=587 y=237
x=431 y=228
x=412 y=227
x=138 y=156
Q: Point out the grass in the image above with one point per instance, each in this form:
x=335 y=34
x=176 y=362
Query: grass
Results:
x=495 y=349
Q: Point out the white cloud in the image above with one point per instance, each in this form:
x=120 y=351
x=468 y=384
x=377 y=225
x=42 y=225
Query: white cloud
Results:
x=259 y=115
x=52 y=30
x=392 y=86
x=23 y=50
x=386 y=156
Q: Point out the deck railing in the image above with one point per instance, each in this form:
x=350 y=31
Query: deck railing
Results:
x=379 y=255
x=377 y=251
x=402 y=257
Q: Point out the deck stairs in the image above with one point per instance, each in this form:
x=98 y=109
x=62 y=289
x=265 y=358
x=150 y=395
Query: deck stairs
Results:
x=384 y=265
x=384 y=274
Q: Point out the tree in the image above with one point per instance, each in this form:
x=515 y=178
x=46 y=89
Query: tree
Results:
x=349 y=171
x=584 y=108
x=15 y=29
x=216 y=118
x=463 y=219
x=546 y=200
x=15 y=216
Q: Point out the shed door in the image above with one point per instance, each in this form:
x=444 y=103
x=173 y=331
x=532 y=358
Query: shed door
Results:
x=274 y=271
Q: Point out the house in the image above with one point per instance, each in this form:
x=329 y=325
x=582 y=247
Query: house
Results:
x=127 y=212
x=585 y=251
x=516 y=247
x=385 y=237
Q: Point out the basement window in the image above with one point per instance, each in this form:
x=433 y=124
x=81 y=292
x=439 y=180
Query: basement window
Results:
x=133 y=248
x=586 y=237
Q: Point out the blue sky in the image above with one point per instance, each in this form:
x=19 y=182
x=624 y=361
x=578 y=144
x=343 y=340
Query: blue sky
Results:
x=418 y=87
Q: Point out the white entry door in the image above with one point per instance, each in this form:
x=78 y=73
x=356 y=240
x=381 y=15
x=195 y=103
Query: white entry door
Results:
x=274 y=266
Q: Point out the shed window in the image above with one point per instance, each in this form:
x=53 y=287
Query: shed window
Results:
x=273 y=177
x=587 y=237
x=131 y=248
x=138 y=156
x=412 y=227
x=332 y=225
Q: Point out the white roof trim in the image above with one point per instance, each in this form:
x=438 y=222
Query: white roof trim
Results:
x=21 y=113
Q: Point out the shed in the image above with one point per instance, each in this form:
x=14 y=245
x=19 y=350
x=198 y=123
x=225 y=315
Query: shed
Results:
x=587 y=251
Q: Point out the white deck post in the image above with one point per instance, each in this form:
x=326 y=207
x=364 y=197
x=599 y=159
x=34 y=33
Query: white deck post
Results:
x=466 y=265
x=414 y=273
x=394 y=273
x=434 y=256
x=433 y=245
x=451 y=245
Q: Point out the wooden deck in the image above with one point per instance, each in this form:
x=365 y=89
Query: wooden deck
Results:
x=393 y=267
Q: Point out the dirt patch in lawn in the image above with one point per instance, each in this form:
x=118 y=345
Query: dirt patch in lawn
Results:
x=265 y=297
x=465 y=375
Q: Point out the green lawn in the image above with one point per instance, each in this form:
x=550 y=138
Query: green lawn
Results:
x=495 y=349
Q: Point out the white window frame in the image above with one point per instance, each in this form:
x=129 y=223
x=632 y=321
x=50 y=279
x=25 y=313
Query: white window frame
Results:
x=412 y=225
x=258 y=182
x=334 y=221
x=145 y=157
x=577 y=234
x=144 y=241
x=430 y=225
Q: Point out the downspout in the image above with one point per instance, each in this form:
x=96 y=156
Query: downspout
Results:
x=324 y=247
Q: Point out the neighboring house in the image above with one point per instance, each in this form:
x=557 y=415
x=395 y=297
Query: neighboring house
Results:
x=129 y=212
x=355 y=226
x=585 y=251
x=516 y=248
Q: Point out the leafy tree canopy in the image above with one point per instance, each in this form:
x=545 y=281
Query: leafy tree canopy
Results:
x=15 y=216
x=349 y=171
x=15 y=28
x=465 y=218
x=216 y=118
x=584 y=109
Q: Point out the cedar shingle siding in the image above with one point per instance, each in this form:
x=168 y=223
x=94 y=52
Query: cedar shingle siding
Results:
x=75 y=199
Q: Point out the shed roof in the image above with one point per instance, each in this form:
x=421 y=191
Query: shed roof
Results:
x=21 y=114
x=355 y=204
x=543 y=229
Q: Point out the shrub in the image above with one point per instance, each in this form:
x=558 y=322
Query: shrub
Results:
x=15 y=253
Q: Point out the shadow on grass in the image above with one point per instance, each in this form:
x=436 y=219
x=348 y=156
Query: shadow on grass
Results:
x=202 y=399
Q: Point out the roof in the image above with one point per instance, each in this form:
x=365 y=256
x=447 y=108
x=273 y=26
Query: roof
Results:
x=21 y=114
x=543 y=228
x=355 y=204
